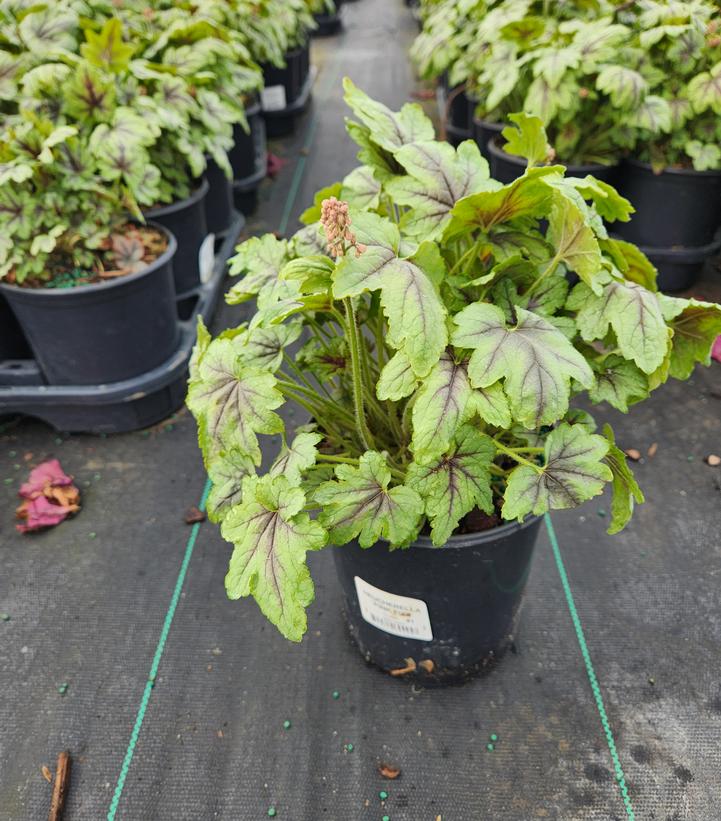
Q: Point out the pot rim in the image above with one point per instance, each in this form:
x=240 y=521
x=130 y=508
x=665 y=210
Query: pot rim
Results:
x=682 y=253
x=576 y=168
x=491 y=125
x=179 y=205
x=678 y=172
x=97 y=287
x=481 y=537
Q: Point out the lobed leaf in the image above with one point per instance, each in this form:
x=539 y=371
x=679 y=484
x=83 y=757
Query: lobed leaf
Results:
x=359 y=504
x=453 y=485
x=232 y=402
x=695 y=325
x=618 y=382
x=574 y=471
x=534 y=359
x=624 y=487
x=271 y=536
x=633 y=312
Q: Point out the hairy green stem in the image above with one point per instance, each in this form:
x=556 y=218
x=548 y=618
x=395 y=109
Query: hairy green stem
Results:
x=365 y=435
x=514 y=455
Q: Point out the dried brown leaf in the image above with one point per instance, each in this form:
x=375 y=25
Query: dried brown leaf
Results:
x=193 y=515
x=427 y=665
x=652 y=450
x=47 y=775
x=389 y=771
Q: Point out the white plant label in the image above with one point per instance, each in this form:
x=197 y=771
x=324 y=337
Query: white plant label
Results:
x=272 y=98
x=206 y=258
x=397 y=615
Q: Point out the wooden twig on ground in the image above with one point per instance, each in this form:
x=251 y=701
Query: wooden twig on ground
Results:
x=60 y=786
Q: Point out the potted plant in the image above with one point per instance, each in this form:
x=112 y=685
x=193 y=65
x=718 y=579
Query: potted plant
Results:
x=92 y=289
x=577 y=72
x=194 y=74
x=673 y=176
x=284 y=56
x=441 y=345
x=441 y=52
x=327 y=16
x=170 y=82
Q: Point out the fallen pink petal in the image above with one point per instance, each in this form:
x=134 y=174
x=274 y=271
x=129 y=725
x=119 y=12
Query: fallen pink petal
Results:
x=48 y=474
x=40 y=513
x=716 y=350
x=49 y=497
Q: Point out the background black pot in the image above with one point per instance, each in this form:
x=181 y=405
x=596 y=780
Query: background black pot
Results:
x=219 y=199
x=185 y=219
x=457 y=111
x=329 y=23
x=287 y=90
x=102 y=333
x=13 y=344
x=678 y=207
x=249 y=158
x=507 y=167
x=483 y=132
x=679 y=268
x=472 y=589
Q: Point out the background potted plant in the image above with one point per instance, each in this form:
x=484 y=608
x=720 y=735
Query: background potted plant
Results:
x=442 y=345
x=92 y=289
x=575 y=69
x=165 y=85
x=441 y=52
x=673 y=176
x=327 y=16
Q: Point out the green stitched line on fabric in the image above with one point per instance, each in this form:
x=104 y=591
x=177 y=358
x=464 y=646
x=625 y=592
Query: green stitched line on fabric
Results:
x=620 y=778
x=129 y=753
x=156 y=660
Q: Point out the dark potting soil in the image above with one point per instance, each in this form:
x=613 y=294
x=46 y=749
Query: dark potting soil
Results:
x=129 y=249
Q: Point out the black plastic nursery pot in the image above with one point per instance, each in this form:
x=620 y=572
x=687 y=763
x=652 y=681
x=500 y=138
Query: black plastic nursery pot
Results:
x=287 y=91
x=679 y=268
x=453 y=610
x=328 y=24
x=101 y=333
x=458 y=114
x=13 y=344
x=507 y=167
x=483 y=132
x=678 y=207
x=185 y=219
x=249 y=158
x=219 y=200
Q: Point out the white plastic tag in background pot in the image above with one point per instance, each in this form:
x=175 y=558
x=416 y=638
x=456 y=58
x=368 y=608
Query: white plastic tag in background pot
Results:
x=206 y=258
x=397 y=615
x=272 y=98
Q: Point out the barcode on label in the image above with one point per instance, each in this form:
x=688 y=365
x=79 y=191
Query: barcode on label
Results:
x=397 y=615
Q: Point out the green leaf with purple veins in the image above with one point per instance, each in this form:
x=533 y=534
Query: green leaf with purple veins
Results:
x=574 y=471
x=297 y=456
x=359 y=503
x=226 y=471
x=271 y=536
x=535 y=360
x=232 y=402
x=437 y=176
x=443 y=403
x=455 y=483
x=626 y=491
